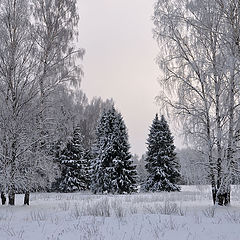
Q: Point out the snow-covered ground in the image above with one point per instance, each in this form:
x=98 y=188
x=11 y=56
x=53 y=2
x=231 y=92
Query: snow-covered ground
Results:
x=187 y=215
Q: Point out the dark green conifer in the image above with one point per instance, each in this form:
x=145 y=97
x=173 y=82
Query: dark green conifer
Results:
x=113 y=169
x=162 y=167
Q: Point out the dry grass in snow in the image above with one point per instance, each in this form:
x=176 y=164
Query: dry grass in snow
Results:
x=186 y=215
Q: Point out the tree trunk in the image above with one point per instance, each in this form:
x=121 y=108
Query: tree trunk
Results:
x=224 y=198
x=225 y=188
x=213 y=183
x=210 y=158
x=11 y=193
x=26 y=198
x=219 y=136
x=11 y=196
x=214 y=193
x=217 y=89
x=3 y=197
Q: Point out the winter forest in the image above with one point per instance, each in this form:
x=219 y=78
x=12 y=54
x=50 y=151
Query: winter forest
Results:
x=67 y=170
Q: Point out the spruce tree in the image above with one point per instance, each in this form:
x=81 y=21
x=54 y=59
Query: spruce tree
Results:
x=161 y=166
x=125 y=171
x=87 y=157
x=74 y=166
x=102 y=171
x=113 y=169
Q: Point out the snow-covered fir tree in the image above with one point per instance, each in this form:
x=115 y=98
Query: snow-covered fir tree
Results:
x=125 y=171
x=74 y=166
x=87 y=156
x=161 y=166
x=112 y=169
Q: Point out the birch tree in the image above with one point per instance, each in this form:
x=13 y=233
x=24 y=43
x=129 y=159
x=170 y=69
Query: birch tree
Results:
x=56 y=25
x=55 y=30
x=18 y=88
x=36 y=58
x=199 y=62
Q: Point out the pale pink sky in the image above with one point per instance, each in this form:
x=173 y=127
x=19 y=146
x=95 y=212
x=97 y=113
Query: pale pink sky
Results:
x=120 y=60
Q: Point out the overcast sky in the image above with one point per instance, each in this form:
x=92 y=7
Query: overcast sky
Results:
x=120 y=60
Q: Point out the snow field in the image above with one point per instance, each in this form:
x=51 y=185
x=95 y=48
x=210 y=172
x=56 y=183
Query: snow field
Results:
x=82 y=216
